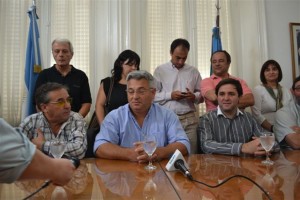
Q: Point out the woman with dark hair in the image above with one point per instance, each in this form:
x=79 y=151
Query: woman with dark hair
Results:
x=270 y=95
x=108 y=100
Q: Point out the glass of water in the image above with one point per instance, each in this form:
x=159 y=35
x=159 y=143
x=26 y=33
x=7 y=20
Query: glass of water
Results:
x=149 y=145
x=57 y=147
x=267 y=140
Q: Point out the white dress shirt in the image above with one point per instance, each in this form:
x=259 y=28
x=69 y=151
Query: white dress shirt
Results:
x=170 y=79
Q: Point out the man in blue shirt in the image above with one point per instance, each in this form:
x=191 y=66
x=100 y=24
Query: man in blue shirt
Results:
x=122 y=130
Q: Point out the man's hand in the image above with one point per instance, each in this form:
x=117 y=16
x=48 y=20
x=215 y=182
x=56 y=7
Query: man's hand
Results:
x=39 y=140
x=142 y=155
x=296 y=129
x=189 y=95
x=65 y=172
x=178 y=95
x=253 y=147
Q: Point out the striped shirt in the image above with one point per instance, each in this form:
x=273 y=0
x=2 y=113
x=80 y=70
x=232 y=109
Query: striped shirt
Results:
x=221 y=135
x=73 y=131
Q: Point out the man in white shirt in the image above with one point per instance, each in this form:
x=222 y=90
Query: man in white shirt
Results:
x=179 y=88
x=287 y=120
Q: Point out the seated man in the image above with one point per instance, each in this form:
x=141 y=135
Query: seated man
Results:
x=220 y=62
x=21 y=160
x=122 y=129
x=287 y=120
x=55 y=121
x=228 y=130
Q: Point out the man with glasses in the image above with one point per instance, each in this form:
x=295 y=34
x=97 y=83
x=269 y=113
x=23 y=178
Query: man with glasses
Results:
x=64 y=73
x=123 y=129
x=287 y=120
x=55 y=121
x=21 y=160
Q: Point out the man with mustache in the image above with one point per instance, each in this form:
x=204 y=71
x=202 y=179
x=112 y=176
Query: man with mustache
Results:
x=123 y=129
x=55 y=121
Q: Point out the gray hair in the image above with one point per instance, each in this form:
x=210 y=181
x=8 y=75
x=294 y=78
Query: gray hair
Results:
x=63 y=40
x=42 y=93
x=142 y=74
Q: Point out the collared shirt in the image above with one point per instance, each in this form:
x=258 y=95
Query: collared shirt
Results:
x=120 y=127
x=73 y=131
x=285 y=118
x=222 y=135
x=16 y=153
x=170 y=79
x=211 y=82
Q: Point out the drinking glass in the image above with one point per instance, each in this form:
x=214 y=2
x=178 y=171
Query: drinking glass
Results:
x=149 y=145
x=57 y=148
x=267 y=140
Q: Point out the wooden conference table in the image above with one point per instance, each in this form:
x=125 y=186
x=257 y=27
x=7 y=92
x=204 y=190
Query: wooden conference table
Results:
x=113 y=179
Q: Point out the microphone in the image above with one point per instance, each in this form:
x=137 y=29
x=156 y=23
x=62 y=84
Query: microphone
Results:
x=177 y=162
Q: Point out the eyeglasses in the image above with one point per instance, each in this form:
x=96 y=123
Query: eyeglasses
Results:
x=297 y=89
x=140 y=91
x=62 y=103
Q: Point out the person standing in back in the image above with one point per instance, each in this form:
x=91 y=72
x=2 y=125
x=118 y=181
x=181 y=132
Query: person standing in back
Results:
x=220 y=62
x=64 y=73
x=269 y=96
x=126 y=62
x=178 y=88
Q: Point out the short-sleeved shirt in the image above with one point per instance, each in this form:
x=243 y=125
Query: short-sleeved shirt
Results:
x=211 y=82
x=121 y=128
x=76 y=80
x=285 y=118
x=16 y=153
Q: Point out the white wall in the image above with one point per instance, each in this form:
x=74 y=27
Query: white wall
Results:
x=279 y=13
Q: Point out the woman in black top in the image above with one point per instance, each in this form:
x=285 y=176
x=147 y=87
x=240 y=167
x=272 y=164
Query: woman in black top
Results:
x=126 y=62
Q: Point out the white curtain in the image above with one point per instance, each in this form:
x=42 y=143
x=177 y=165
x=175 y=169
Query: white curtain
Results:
x=101 y=29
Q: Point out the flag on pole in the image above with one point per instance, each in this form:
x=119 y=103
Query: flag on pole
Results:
x=33 y=60
x=216 y=44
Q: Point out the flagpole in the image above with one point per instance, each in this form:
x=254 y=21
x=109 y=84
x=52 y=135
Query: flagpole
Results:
x=216 y=38
x=33 y=2
x=218 y=13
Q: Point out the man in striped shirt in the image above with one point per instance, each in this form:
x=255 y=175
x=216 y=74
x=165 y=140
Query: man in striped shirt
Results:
x=228 y=130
